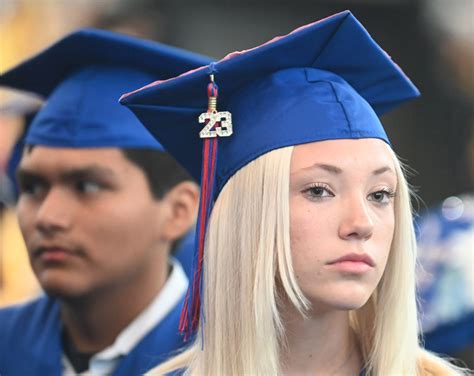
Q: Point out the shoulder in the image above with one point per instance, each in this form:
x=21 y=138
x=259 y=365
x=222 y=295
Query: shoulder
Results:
x=28 y=332
x=32 y=310
x=22 y=318
x=431 y=365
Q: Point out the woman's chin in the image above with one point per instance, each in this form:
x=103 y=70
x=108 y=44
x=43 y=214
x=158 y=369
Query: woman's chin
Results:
x=342 y=301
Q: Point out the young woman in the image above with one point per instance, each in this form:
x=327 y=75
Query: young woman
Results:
x=309 y=253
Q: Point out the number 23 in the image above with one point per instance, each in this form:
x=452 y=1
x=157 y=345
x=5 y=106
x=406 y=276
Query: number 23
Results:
x=225 y=128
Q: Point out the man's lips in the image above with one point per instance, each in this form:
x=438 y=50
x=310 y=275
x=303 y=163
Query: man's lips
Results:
x=353 y=263
x=53 y=253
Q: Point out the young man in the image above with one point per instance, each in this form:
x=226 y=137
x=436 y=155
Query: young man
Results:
x=100 y=207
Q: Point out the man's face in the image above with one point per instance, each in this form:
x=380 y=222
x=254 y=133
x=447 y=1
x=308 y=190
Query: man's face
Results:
x=89 y=220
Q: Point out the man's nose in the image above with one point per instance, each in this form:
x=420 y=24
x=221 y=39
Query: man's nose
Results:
x=54 y=213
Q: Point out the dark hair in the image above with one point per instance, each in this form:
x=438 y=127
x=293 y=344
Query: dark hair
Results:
x=162 y=173
x=161 y=169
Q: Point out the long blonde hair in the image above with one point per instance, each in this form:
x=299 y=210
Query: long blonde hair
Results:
x=248 y=265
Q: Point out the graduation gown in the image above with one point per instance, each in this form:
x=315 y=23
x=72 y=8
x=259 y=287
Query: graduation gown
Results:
x=30 y=341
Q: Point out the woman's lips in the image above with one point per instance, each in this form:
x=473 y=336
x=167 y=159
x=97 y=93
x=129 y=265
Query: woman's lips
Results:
x=356 y=263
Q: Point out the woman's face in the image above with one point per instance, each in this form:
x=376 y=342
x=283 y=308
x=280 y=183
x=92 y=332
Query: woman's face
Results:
x=341 y=219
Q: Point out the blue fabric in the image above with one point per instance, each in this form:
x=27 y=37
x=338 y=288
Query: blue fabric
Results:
x=184 y=253
x=327 y=80
x=30 y=343
x=444 y=276
x=180 y=372
x=451 y=337
x=82 y=76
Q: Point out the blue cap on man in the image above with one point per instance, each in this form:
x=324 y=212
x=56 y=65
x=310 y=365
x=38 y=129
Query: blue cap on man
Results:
x=82 y=76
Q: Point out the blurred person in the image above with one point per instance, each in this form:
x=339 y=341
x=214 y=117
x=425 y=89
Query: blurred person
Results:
x=306 y=253
x=446 y=273
x=15 y=114
x=446 y=277
x=100 y=207
x=446 y=230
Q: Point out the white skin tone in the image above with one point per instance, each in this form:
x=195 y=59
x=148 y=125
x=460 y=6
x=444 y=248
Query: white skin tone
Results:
x=341 y=203
x=97 y=238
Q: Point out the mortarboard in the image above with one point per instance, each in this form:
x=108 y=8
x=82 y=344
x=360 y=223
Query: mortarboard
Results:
x=82 y=76
x=327 y=80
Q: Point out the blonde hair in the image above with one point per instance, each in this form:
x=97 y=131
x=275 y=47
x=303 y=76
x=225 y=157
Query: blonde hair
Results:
x=248 y=266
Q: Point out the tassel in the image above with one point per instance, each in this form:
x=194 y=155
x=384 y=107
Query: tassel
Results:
x=191 y=313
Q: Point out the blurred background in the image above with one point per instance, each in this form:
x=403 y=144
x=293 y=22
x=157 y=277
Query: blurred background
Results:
x=432 y=40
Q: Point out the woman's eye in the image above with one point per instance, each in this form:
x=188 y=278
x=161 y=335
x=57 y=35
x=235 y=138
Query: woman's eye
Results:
x=318 y=192
x=382 y=196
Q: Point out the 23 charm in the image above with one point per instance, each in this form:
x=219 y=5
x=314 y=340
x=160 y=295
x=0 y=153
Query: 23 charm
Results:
x=223 y=120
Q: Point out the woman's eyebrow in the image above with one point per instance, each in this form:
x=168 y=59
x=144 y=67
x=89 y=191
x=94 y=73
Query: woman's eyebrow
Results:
x=322 y=166
x=382 y=170
x=336 y=170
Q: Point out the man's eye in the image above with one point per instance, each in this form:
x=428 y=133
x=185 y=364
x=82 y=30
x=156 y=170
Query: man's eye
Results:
x=32 y=189
x=88 y=187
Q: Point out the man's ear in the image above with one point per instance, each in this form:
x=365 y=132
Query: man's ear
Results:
x=182 y=202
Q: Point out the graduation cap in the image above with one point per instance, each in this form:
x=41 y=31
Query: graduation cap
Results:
x=324 y=81
x=82 y=76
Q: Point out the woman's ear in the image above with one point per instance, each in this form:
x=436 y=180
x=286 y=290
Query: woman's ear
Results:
x=182 y=201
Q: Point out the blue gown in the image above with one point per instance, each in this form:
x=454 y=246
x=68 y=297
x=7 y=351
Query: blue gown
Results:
x=444 y=279
x=184 y=253
x=30 y=341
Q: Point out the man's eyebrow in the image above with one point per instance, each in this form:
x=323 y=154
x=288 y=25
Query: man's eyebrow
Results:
x=87 y=172
x=23 y=174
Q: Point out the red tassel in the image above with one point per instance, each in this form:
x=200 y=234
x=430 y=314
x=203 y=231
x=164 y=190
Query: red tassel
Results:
x=191 y=313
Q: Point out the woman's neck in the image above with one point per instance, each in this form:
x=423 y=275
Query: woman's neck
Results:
x=321 y=344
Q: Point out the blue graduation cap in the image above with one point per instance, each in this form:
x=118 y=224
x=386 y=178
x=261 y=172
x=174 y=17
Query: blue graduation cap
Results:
x=327 y=80
x=82 y=76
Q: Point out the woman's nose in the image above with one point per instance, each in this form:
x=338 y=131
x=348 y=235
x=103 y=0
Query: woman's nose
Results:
x=356 y=222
